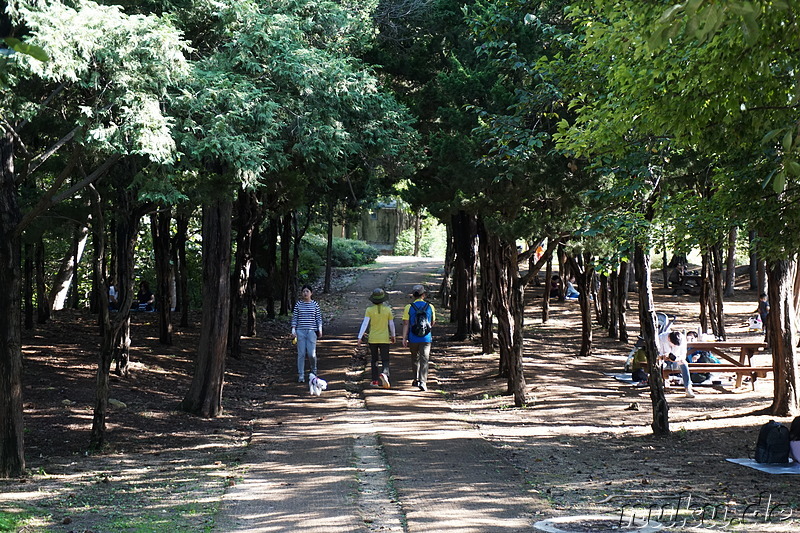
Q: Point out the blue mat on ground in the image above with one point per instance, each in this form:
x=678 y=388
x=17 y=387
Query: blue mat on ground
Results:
x=791 y=468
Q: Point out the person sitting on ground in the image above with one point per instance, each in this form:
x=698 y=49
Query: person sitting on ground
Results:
x=672 y=350
x=145 y=297
x=639 y=367
x=554 y=286
x=794 y=440
x=570 y=292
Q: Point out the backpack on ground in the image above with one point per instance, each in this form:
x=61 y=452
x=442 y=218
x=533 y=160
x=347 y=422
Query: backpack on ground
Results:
x=773 y=443
x=421 y=325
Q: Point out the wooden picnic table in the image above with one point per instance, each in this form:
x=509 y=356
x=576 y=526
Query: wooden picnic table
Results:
x=741 y=365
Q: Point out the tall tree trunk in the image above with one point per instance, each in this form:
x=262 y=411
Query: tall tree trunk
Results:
x=762 y=276
x=648 y=321
x=705 y=292
x=719 y=299
x=465 y=306
x=548 y=275
x=622 y=302
x=12 y=447
x=753 y=265
x=271 y=257
x=67 y=269
x=179 y=249
x=29 y=257
x=613 y=303
x=583 y=275
x=446 y=288
x=204 y=397
x=286 y=263
x=159 y=228
x=42 y=305
x=329 y=249
x=487 y=289
x=730 y=263
x=602 y=301
x=783 y=336
x=502 y=287
x=248 y=215
x=417 y=231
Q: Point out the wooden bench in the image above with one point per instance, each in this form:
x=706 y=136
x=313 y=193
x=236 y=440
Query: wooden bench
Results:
x=721 y=368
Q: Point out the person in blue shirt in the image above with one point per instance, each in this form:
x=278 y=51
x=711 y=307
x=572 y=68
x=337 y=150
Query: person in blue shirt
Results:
x=419 y=345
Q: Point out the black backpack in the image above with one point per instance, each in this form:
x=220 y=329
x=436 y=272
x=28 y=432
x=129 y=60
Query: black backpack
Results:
x=421 y=325
x=773 y=443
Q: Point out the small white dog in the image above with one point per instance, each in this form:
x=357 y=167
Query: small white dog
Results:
x=316 y=385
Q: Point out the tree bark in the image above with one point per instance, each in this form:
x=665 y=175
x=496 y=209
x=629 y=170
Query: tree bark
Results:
x=487 y=303
x=613 y=305
x=753 y=265
x=12 y=447
x=248 y=216
x=446 y=288
x=204 y=397
x=548 y=275
x=622 y=302
x=179 y=249
x=67 y=269
x=417 y=232
x=28 y=277
x=649 y=329
x=286 y=263
x=782 y=329
x=42 y=305
x=730 y=263
x=159 y=228
x=329 y=249
x=465 y=305
x=583 y=275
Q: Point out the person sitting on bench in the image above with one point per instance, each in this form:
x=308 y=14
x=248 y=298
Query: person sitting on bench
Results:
x=672 y=350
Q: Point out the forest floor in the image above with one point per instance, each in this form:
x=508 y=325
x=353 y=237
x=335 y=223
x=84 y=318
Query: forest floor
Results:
x=582 y=447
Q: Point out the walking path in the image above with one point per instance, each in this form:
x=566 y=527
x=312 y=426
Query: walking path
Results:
x=362 y=459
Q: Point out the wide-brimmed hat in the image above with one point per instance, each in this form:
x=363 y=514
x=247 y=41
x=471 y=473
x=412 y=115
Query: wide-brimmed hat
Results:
x=418 y=290
x=378 y=296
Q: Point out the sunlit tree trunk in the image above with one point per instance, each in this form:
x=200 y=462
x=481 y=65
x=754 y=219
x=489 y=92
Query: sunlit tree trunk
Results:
x=487 y=290
x=160 y=230
x=648 y=321
x=783 y=332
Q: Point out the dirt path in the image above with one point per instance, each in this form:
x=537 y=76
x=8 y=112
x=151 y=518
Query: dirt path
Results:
x=361 y=459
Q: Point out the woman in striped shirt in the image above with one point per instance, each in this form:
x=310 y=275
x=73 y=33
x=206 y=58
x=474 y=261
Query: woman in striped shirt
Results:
x=306 y=328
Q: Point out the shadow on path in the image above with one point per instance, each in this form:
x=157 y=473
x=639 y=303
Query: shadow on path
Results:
x=362 y=459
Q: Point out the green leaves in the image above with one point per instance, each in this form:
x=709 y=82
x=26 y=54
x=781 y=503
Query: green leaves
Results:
x=20 y=47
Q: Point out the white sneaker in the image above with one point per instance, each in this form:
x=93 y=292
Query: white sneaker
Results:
x=689 y=393
x=301 y=379
x=384 y=380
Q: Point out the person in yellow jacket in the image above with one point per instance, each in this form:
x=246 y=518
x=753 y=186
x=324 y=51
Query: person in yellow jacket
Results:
x=379 y=318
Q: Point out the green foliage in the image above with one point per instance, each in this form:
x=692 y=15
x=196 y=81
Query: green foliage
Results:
x=432 y=243
x=11 y=521
x=345 y=252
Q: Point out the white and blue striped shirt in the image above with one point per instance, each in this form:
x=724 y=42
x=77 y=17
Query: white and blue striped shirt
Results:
x=307 y=315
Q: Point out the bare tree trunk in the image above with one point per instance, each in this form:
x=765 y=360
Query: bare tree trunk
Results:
x=204 y=397
x=248 y=216
x=179 y=247
x=753 y=267
x=583 y=275
x=648 y=321
x=465 y=306
x=730 y=263
x=602 y=301
x=159 y=229
x=67 y=269
x=271 y=256
x=42 y=305
x=548 y=275
x=719 y=300
x=487 y=289
x=705 y=292
x=784 y=338
x=329 y=250
x=445 y=291
x=12 y=446
x=286 y=263
x=28 y=297
x=504 y=272
x=622 y=302
x=613 y=301
x=417 y=232
x=762 y=276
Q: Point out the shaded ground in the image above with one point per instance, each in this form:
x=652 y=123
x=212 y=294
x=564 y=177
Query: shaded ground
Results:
x=579 y=447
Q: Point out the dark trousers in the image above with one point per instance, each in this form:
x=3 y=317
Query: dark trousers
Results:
x=379 y=351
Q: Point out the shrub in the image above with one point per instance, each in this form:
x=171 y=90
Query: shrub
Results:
x=345 y=253
x=432 y=243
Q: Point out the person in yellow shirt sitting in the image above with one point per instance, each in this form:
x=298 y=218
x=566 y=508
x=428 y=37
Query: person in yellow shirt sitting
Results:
x=379 y=318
